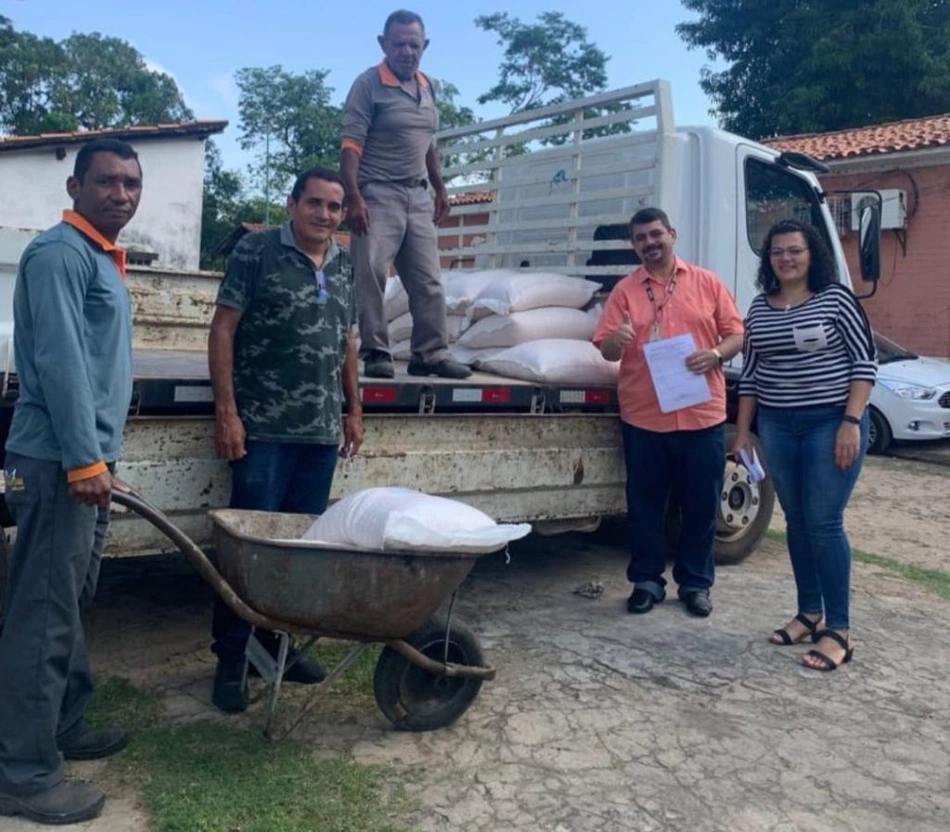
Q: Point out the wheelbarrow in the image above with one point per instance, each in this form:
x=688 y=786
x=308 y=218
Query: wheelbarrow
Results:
x=431 y=668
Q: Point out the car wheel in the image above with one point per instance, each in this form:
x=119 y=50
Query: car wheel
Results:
x=879 y=434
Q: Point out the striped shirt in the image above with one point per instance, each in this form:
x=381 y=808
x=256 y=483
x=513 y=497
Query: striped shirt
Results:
x=810 y=354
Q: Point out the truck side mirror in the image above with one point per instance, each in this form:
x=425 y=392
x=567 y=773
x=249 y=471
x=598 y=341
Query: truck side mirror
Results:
x=869 y=241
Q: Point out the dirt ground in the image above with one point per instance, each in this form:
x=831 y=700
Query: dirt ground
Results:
x=603 y=721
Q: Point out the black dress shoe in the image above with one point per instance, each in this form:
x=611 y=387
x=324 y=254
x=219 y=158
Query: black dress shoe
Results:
x=378 y=367
x=229 y=693
x=96 y=744
x=445 y=368
x=698 y=603
x=641 y=601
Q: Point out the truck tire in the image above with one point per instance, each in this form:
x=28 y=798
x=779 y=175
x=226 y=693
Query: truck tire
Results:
x=745 y=510
x=879 y=433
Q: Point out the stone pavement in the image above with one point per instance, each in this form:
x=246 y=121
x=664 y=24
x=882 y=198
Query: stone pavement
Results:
x=604 y=721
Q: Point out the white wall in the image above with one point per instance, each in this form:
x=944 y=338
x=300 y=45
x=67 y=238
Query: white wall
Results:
x=33 y=195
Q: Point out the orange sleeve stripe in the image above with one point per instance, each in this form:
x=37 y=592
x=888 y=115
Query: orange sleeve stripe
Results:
x=349 y=144
x=87 y=473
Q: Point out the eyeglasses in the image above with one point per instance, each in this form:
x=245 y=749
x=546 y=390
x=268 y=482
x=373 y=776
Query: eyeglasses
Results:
x=796 y=251
x=322 y=294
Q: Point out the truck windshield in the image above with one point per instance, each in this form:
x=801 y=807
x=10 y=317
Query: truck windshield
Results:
x=775 y=193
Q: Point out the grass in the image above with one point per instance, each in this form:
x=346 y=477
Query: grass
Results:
x=934 y=580
x=212 y=777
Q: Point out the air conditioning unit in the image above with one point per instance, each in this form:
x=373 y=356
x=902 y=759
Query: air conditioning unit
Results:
x=893 y=208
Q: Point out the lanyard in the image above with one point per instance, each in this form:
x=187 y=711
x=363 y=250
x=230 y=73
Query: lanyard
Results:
x=658 y=309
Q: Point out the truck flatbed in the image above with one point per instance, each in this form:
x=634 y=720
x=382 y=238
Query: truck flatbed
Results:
x=177 y=382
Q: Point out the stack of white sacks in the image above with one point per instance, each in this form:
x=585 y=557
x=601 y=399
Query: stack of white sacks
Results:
x=535 y=326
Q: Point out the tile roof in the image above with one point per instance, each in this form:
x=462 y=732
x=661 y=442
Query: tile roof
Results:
x=893 y=137
x=474 y=198
x=145 y=131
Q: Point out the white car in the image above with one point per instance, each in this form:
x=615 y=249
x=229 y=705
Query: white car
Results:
x=911 y=399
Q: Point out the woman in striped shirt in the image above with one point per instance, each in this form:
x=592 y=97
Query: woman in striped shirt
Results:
x=808 y=370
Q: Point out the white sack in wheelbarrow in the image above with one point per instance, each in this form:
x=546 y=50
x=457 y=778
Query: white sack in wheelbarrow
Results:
x=401 y=518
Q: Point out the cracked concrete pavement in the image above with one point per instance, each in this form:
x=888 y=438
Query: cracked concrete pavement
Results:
x=600 y=721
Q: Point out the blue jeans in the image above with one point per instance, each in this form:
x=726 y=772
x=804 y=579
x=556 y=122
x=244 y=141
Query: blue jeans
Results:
x=272 y=476
x=799 y=445
x=687 y=465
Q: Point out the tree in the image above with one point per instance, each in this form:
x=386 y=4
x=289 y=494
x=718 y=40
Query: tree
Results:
x=544 y=62
x=451 y=114
x=83 y=82
x=823 y=65
x=289 y=120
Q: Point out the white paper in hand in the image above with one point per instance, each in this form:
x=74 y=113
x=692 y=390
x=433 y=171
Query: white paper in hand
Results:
x=752 y=464
x=676 y=386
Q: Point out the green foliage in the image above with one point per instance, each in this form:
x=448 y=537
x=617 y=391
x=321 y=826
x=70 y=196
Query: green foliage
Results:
x=796 y=67
x=86 y=81
x=544 y=63
x=451 y=114
x=289 y=121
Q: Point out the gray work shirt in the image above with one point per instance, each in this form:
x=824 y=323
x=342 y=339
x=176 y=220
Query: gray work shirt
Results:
x=390 y=126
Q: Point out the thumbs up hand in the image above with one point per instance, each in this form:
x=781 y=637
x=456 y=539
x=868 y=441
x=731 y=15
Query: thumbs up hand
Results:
x=624 y=333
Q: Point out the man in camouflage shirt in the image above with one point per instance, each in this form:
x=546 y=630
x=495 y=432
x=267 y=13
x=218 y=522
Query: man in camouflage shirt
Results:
x=283 y=357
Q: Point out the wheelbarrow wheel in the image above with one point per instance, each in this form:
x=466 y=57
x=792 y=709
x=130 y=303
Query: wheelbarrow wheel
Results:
x=414 y=699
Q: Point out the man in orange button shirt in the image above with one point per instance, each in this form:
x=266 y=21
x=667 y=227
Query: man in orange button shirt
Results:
x=681 y=452
x=73 y=347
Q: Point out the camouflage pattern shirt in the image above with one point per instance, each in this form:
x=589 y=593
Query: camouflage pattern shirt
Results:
x=291 y=340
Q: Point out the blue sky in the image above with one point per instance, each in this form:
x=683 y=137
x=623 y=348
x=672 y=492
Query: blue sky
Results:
x=202 y=42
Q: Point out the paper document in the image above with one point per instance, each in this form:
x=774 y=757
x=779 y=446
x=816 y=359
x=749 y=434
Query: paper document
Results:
x=752 y=464
x=675 y=384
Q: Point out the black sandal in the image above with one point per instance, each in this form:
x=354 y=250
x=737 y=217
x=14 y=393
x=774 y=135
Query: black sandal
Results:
x=827 y=662
x=788 y=641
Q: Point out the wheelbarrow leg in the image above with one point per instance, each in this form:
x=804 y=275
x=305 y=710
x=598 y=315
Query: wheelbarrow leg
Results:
x=271 y=671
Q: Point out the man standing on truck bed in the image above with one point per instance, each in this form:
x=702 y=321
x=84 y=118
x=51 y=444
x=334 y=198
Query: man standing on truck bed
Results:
x=72 y=341
x=680 y=453
x=395 y=198
x=283 y=357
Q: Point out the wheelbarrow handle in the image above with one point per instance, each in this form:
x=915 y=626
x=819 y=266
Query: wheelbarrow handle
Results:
x=195 y=556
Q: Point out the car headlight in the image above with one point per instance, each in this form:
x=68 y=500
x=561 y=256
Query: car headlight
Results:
x=908 y=391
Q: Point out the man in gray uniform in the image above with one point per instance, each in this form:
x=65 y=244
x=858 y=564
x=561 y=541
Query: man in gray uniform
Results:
x=395 y=199
x=73 y=347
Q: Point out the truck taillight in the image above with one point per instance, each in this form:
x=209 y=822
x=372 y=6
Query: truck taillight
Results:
x=380 y=394
x=481 y=395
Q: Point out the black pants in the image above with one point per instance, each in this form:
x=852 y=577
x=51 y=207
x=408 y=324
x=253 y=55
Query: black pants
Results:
x=689 y=466
x=45 y=681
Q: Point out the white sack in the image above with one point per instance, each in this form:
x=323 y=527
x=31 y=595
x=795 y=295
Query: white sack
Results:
x=517 y=292
x=471 y=357
x=395 y=299
x=401 y=328
x=555 y=361
x=401 y=518
x=531 y=325
x=401 y=350
x=463 y=286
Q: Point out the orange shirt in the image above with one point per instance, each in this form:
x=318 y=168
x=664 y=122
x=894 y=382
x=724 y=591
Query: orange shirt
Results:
x=700 y=305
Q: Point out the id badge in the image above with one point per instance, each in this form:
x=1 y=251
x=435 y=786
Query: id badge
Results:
x=810 y=338
x=655 y=333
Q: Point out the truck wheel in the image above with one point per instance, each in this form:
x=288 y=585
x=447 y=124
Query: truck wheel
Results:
x=745 y=511
x=413 y=699
x=745 y=508
x=879 y=433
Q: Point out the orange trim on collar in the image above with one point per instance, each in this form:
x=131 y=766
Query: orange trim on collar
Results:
x=80 y=223
x=389 y=79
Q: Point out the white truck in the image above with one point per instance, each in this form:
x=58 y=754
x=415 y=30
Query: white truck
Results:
x=556 y=188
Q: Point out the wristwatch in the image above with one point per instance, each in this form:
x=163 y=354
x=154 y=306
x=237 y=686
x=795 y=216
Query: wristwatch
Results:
x=715 y=352
x=851 y=420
